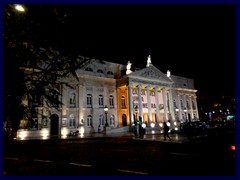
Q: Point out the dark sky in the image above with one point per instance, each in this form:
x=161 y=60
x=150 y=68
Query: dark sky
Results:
x=194 y=41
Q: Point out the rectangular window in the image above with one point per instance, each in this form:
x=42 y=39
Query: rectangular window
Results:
x=89 y=100
x=100 y=100
x=111 y=102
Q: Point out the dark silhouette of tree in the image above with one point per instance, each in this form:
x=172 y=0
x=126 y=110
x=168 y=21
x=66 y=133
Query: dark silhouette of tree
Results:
x=35 y=61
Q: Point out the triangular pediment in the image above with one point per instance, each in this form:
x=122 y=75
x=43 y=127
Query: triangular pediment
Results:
x=151 y=73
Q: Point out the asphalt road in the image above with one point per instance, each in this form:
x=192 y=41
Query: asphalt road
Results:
x=119 y=156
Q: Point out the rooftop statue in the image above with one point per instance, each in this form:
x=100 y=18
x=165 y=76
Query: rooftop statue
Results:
x=168 y=73
x=149 y=61
x=128 y=68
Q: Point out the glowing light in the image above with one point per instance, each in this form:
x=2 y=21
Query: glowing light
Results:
x=19 y=7
x=175 y=123
x=143 y=125
x=232 y=148
x=45 y=133
x=81 y=131
x=23 y=134
x=161 y=124
x=152 y=125
x=64 y=132
x=168 y=123
x=176 y=128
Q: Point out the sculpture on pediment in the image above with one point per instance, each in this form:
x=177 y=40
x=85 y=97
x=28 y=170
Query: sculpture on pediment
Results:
x=168 y=73
x=149 y=61
x=128 y=68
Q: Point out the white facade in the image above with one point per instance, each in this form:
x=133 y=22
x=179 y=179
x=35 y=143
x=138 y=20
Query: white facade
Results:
x=146 y=93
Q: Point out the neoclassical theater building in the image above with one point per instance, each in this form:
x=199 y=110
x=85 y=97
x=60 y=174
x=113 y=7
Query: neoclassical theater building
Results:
x=129 y=94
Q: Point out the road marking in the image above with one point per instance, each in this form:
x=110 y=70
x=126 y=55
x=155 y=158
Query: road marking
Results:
x=11 y=158
x=40 y=160
x=183 y=154
x=84 y=165
x=133 y=172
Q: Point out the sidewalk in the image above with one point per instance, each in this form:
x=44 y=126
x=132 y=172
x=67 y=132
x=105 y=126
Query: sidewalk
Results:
x=152 y=135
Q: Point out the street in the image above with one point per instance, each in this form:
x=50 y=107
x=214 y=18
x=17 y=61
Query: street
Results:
x=119 y=156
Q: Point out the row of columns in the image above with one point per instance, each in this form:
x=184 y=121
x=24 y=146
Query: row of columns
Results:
x=167 y=101
x=169 y=109
x=191 y=110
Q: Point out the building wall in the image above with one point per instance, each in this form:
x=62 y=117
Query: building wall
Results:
x=108 y=79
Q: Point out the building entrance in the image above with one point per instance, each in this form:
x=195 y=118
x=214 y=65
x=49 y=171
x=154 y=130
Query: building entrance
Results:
x=54 y=124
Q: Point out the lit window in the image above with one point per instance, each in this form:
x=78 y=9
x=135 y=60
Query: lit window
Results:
x=101 y=120
x=123 y=102
x=72 y=100
x=89 y=100
x=89 y=121
x=100 y=100
x=112 y=120
x=72 y=122
x=111 y=102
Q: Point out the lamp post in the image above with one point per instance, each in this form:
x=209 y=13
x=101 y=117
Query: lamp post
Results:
x=106 y=112
x=19 y=7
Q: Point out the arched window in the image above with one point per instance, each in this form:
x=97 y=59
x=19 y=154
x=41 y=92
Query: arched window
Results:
x=101 y=120
x=110 y=72
x=111 y=101
x=100 y=71
x=100 y=100
x=89 y=100
x=112 y=120
x=123 y=102
x=72 y=100
x=89 y=121
x=72 y=121
x=89 y=69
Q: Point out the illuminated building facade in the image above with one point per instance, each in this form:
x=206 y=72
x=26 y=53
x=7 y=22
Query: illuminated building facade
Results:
x=146 y=94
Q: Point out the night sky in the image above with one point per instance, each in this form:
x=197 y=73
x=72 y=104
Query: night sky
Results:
x=193 y=41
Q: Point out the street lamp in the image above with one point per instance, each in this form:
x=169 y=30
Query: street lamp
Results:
x=106 y=111
x=19 y=7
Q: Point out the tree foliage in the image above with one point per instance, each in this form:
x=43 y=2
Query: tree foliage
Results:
x=34 y=61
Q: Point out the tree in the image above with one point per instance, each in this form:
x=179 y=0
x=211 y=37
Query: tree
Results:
x=33 y=63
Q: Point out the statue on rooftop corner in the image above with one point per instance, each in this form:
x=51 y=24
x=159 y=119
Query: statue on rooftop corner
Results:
x=128 y=68
x=168 y=73
x=149 y=61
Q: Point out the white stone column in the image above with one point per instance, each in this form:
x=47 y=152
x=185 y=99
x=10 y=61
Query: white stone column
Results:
x=165 y=104
x=195 y=101
x=172 y=110
x=185 y=107
x=179 y=108
x=149 y=105
x=157 y=105
x=130 y=103
x=191 y=109
x=140 y=101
